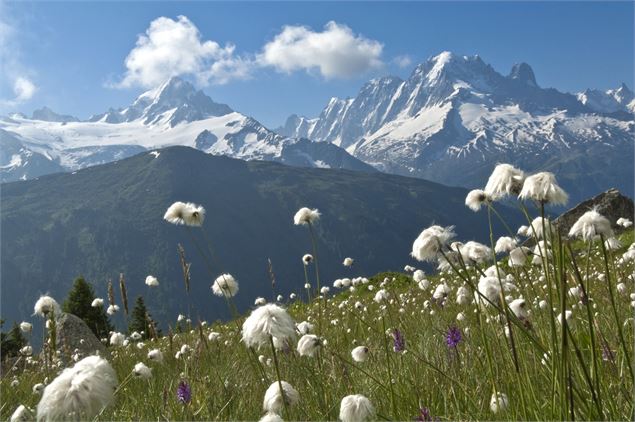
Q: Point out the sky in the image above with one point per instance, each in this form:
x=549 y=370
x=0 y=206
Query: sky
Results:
x=271 y=59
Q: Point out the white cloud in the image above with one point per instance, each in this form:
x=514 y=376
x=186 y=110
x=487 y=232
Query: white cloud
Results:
x=175 y=48
x=336 y=52
x=13 y=70
x=402 y=61
x=23 y=89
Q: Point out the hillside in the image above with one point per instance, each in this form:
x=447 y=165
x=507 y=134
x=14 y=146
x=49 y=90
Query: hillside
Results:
x=107 y=219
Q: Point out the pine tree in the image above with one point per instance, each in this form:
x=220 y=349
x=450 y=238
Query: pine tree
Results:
x=140 y=319
x=79 y=303
x=11 y=342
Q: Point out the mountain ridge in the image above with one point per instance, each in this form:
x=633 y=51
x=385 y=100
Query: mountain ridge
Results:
x=175 y=113
x=455 y=116
x=107 y=219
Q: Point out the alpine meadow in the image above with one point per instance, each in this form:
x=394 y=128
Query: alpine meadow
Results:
x=442 y=241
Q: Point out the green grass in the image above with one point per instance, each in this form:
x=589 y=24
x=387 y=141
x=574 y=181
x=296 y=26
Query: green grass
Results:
x=455 y=384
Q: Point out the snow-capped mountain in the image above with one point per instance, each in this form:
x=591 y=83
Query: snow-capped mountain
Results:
x=610 y=101
x=172 y=114
x=455 y=117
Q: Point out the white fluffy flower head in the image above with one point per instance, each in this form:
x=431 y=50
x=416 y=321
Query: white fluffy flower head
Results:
x=275 y=400
x=356 y=408
x=475 y=199
x=430 y=241
x=79 y=392
x=498 y=404
x=591 y=225
x=152 y=281
x=45 y=305
x=543 y=187
x=504 y=180
x=505 y=244
x=189 y=214
x=140 y=370
x=308 y=345
x=267 y=321
x=306 y=216
x=225 y=285
x=360 y=354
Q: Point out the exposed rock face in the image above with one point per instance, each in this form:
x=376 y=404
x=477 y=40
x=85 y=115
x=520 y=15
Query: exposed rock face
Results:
x=73 y=333
x=611 y=204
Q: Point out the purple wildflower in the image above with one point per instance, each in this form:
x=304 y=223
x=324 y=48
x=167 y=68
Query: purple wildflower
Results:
x=399 y=343
x=184 y=392
x=453 y=337
x=425 y=416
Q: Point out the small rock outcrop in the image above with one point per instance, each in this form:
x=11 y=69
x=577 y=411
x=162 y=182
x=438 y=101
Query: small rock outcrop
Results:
x=611 y=204
x=73 y=333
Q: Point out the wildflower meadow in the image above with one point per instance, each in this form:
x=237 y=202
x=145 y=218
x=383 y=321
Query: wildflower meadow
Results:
x=534 y=325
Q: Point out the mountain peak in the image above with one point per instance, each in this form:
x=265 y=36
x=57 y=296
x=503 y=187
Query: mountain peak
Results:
x=523 y=73
x=48 y=115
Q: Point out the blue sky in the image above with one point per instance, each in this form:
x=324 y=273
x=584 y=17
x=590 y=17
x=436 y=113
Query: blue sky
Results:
x=73 y=53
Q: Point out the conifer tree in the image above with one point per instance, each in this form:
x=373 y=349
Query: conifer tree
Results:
x=11 y=342
x=79 y=303
x=140 y=319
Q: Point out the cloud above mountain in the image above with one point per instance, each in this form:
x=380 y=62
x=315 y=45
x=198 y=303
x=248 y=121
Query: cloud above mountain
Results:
x=176 y=47
x=336 y=52
x=14 y=72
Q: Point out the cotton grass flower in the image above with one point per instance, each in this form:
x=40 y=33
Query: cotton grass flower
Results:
x=428 y=244
x=275 y=400
x=498 y=404
x=307 y=259
x=79 y=392
x=225 y=285
x=474 y=252
x=624 y=222
x=591 y=225
x=504 y=180
x=308 y=345
x=612 y=244
x=271 y=417
x=519 y=308
x=112 y=309
x=306 y=216
x=536 y=228
x=117 y=339
x=348 y=262
x=188 y=214
x=45 y=305
x=26 y=327
x=543 y=187
x=518 y=256
x=305 y=327
x=152 y=281
x=505 y=244
x=356 y=408
x=97 y=302
x=155 y=355
x=267 y=321
x=475 y=199
x=140 y=370
x=360 y=354
x=22 y=414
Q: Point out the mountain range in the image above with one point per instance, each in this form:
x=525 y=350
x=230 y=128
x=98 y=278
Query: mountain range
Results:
x=455 y=116
x=449 y=121
x=174 y=113
x=107 y=219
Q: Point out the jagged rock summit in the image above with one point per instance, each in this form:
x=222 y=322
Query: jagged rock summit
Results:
x=611 y=204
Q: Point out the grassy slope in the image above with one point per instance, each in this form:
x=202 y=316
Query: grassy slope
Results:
x=455 y=385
